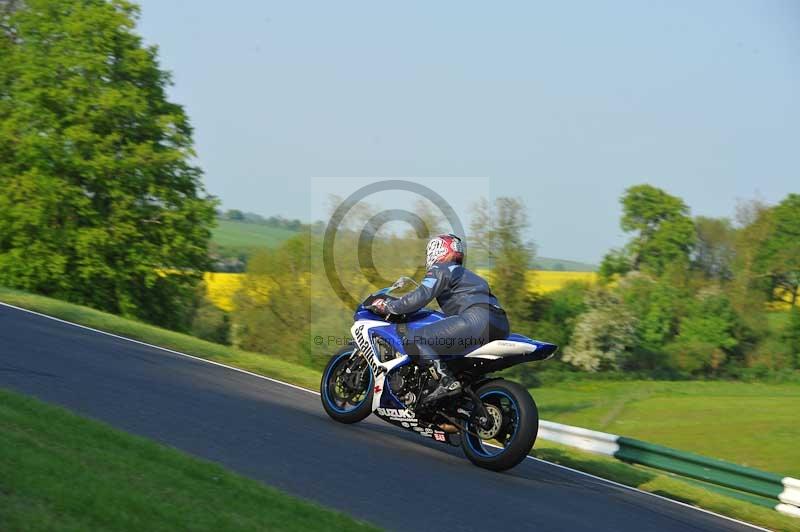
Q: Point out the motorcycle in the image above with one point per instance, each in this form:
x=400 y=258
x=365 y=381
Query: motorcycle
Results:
x=495 y=421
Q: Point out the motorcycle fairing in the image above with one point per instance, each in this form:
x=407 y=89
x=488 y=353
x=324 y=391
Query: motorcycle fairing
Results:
x=385 y=404
x=362 y=332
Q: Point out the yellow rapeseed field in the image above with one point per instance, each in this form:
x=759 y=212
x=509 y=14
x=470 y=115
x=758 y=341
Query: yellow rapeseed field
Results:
x=221 y=287
x=547 y=281
x=542 y=281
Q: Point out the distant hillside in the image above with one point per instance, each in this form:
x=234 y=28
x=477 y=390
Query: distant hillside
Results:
x=562 y=265
x=477 y=259
x=234 y=238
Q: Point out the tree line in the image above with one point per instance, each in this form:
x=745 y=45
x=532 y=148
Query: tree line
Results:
x=280 y=222
x=685 y=297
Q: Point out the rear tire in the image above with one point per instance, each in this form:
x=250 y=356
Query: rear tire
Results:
x=332 y=387
x=519 y=425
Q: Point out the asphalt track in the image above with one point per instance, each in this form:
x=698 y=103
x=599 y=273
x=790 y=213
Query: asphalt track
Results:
x=280 y=435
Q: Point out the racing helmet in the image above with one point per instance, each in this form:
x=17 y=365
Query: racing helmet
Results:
x=444 y=248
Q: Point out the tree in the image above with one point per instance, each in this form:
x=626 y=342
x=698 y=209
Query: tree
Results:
x=778 y=257
x=791 y=335
x=658 y=323
x=99 y=201
x=749 y=289
x=235 y=214
x=713 y=252
x=7 y=7
x=665 y=232
x=552 y=316
x=617 y=262
x=432 y=220
x=209 y=322
x=498 y=231
x=603 y=335
x=273 y=306
x=706 y=334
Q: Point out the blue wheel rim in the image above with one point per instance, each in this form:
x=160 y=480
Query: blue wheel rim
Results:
x=476 y=443
x=326 y=393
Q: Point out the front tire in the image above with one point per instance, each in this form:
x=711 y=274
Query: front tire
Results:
x=346 y=387
x=512 y=431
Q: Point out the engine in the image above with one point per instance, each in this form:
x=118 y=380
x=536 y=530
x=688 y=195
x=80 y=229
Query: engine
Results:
x=403 y=382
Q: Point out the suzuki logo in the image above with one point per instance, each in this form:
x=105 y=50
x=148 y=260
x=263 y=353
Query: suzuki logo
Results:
x=398 y=413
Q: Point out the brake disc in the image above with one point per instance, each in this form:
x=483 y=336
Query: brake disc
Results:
x=495 y=422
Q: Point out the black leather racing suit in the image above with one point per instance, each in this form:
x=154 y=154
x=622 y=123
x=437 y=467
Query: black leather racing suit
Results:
x=474 y=316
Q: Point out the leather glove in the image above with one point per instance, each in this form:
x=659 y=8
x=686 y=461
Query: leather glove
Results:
x=379 y=307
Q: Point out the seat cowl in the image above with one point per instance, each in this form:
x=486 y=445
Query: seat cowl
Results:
x=513 y=345
x=500 y=348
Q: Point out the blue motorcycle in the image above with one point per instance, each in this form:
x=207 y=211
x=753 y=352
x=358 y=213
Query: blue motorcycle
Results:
x=495 y=421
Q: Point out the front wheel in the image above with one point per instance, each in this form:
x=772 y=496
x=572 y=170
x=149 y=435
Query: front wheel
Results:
x=508 y=436
x=346 y=387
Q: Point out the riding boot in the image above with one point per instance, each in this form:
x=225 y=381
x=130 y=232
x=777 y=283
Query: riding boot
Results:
x=448 y=384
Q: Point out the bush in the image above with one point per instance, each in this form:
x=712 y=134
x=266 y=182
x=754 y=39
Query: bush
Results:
x=791 y=336
x=212 y=324
x=602 y=335
x=771 y=354
x=706 y=334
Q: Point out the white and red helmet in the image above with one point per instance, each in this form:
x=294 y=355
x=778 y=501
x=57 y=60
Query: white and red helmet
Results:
x=444 y=248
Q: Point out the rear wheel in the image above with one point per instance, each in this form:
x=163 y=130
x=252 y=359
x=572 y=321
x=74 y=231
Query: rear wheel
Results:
x=508 y=436
x=346 y=387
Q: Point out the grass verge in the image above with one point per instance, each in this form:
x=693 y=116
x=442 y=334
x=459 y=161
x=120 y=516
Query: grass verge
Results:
x=631 y=475
x=751 y=424
x=60 y=471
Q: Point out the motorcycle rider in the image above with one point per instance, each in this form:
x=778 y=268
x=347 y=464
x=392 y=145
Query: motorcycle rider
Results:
x=473 y=314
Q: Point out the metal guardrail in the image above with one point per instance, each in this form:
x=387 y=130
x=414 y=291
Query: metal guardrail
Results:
x=759 y=487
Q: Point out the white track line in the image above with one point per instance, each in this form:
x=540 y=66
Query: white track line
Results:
x=317 y=393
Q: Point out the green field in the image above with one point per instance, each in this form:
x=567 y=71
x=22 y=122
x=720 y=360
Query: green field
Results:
x=234 y=238
x=751 y=424
x=62 y=472
x=745 y=423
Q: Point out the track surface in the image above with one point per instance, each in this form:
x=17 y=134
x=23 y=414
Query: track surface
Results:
x=281 y=436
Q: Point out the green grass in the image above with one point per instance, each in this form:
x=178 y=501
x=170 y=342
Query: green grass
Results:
x=604 y=405
x=60 y=471
x=234 y=238
x=751 y=424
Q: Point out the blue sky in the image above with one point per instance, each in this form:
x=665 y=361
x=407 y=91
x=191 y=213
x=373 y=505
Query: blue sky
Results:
x=562 y=104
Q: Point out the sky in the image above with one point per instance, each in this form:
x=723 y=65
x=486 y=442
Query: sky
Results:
x=562 y=105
